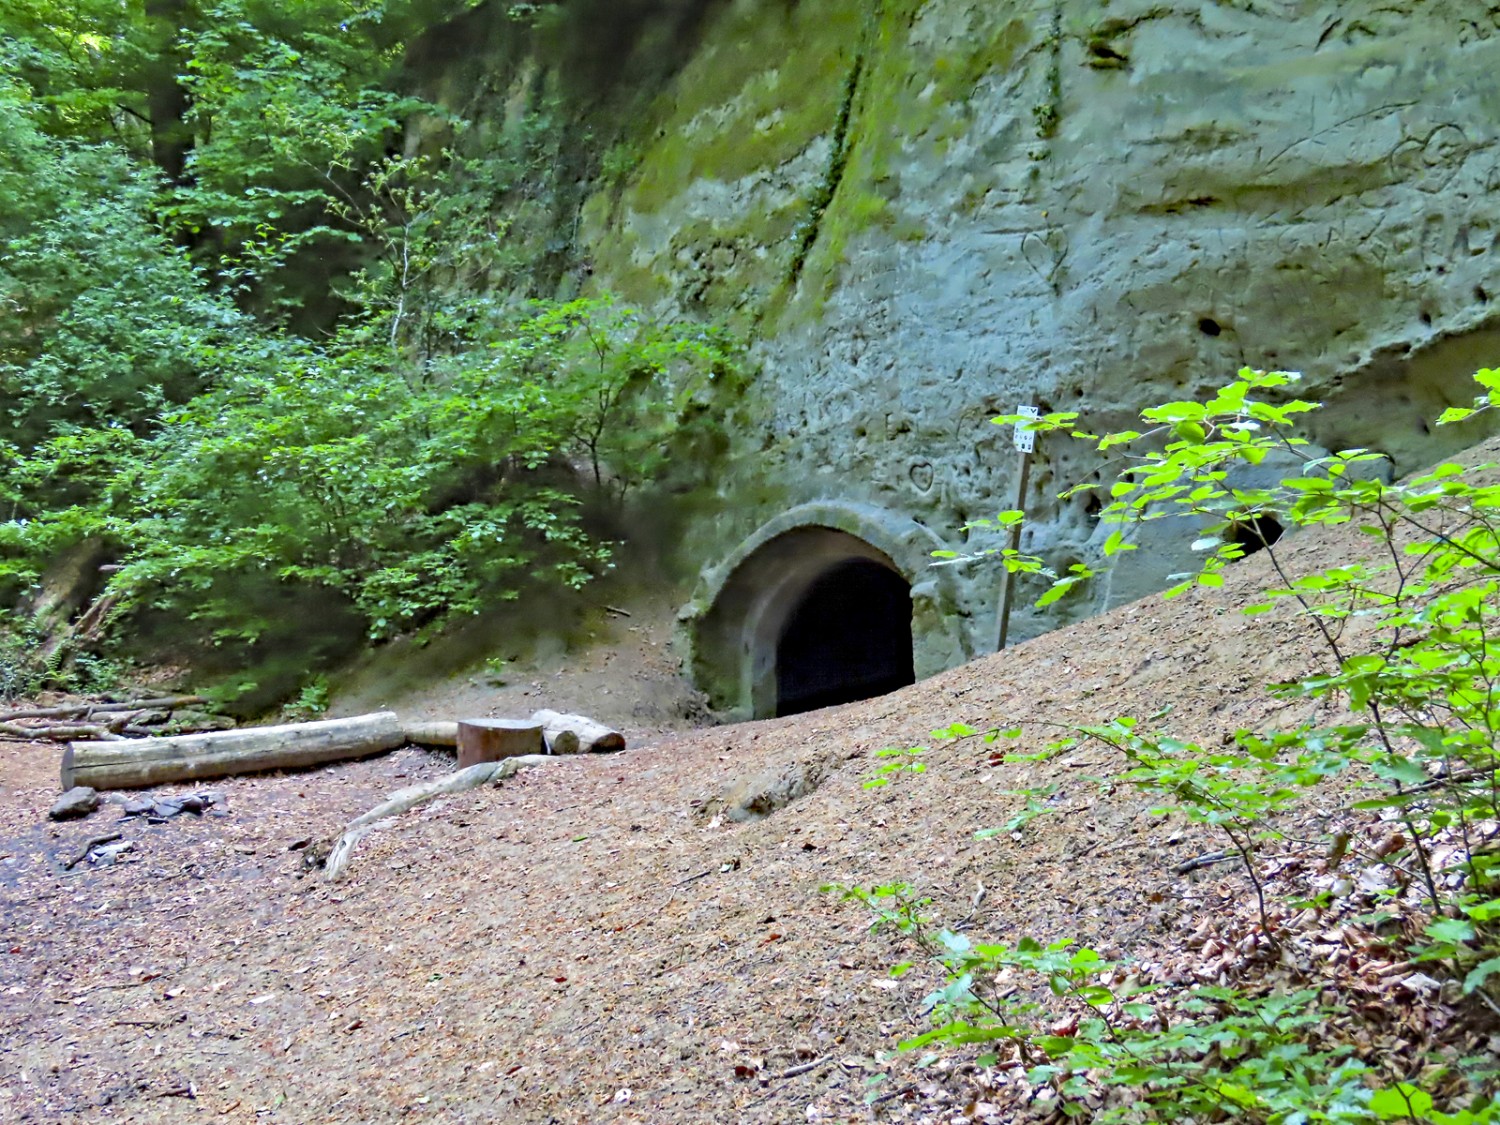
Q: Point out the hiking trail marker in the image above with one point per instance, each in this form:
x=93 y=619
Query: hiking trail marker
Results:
x=1025 y=438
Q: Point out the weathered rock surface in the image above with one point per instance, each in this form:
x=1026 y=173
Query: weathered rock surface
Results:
x=75 y=803
x=1102 y=207
x=926 y=212
x=758 y=796
x=107 y=855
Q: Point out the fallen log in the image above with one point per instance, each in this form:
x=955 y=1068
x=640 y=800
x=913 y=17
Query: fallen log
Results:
x=68 y=710
x=114 y=728
x=139 y=763
x=432 y=734
x=67 y=732
x=341 y=849
x=577 y=734
x=560 y=740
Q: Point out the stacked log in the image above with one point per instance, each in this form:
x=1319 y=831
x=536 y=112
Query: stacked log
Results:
x=144 y=762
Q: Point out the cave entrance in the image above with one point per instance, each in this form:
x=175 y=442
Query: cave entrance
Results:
x=824 y=604
x=848 y=637
x=1255 y=534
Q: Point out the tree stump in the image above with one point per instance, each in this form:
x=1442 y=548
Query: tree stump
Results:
x=490 y=740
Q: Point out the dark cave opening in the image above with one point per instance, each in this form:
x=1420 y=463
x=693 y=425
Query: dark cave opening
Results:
x=848 y=638
x=1255 y=534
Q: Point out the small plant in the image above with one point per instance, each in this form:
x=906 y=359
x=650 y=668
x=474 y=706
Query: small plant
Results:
x=1212 y=1053
x=311 y=702
x=22 y=673
x=1044 y=118
x=1032 y=809
x=495 y=671
x=900 y=760
x=618 y=162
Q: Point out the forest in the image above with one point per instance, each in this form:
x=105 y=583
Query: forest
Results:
x=307 y=359
x=272 y=353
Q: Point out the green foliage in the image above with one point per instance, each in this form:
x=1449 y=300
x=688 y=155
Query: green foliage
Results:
x=104 y=319
x=417 y=496
x=287 y=108
x=255 y=335
x=903 y=760
x=311 y=702
x=1027 y=813
x=28 y=664
x=1215 y=1052
x=1408 y=639
x=22 y=672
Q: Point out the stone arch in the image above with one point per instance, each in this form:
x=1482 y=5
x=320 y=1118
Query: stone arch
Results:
x=804 y=571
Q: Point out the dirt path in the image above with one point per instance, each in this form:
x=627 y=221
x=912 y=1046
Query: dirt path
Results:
x=584 y=944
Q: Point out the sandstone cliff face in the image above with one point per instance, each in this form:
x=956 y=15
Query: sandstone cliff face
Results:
x=928 y=211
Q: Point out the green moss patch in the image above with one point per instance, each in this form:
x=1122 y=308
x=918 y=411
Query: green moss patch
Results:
x=767 y=86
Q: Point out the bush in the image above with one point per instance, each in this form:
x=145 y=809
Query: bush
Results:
x=1419 y=677
x=416 y=498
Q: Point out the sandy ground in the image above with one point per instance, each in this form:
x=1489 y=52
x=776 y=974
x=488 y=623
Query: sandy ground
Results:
x=614 y=663
x=587 y=943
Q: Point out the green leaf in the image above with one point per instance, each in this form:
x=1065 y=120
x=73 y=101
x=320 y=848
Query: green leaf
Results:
x=1400 y=1102
x=1455 y=931
x=1401 y=770
x=1480 y=973
x=1484 y=911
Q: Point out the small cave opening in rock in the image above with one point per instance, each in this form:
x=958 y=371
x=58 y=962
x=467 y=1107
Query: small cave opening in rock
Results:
x=848 y=638
x=1254 y=534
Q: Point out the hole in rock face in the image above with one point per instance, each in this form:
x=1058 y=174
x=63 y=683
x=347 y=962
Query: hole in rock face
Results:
x=1209 y=327
x=848 y=638
x=1256 y=534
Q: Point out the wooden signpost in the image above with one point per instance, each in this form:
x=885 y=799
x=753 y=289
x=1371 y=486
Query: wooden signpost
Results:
x=1025 y=444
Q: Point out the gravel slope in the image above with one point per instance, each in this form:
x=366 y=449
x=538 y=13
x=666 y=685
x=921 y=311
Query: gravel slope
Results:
x=589 y=943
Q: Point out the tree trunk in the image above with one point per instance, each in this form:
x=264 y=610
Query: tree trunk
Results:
x=166 y=97
x=69 y=581
x=190 y=757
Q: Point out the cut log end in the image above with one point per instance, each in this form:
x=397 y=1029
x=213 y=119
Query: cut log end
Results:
x=491 y=740
x=560 y=740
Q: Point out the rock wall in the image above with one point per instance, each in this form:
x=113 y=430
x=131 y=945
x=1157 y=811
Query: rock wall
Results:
x=927 y=211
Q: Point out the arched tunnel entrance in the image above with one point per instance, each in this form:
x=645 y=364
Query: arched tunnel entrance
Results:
x=847 y=638
x=827 y=603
